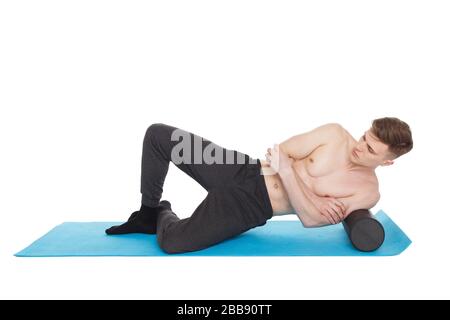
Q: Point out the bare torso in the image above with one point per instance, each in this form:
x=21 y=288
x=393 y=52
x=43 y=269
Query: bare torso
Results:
x=325 y=171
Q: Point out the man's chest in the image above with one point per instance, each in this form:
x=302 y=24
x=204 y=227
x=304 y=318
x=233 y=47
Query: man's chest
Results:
x=325 y=173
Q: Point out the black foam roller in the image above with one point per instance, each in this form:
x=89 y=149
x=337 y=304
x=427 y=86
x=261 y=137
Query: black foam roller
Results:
x=365 y=232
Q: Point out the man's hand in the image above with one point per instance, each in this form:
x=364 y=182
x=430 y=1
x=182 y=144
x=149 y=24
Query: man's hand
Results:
x=278 y=160
x=331 y=208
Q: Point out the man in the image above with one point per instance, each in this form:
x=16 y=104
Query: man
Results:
x=322 y=176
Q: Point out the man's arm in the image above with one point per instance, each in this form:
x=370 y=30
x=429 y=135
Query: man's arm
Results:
x=300 y=198
x=317 y=218
x=304 y=208
x=299 y=147
x=302 y=145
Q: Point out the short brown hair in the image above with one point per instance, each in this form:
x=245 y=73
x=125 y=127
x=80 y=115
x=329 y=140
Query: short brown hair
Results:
x=394 y=133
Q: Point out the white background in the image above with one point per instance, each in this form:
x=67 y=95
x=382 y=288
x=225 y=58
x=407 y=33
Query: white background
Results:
x=80 y=82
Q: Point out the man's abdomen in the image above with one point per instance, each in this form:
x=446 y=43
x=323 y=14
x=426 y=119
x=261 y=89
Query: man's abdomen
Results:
x=277 y=194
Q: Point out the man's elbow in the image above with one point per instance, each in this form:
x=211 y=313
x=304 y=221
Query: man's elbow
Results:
x=307 y=221
x=312 y=221
x=314 y=224
x=309 y=225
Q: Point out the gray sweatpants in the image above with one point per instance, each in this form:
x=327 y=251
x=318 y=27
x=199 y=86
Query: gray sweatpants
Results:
x=237 y=198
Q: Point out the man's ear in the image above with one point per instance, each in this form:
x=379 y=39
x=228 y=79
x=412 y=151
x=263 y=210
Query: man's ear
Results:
x=387 y=163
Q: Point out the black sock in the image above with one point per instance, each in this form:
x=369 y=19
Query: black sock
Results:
x=142 y=221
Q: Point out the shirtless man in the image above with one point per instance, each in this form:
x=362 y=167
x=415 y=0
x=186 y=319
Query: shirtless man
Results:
x=322 y=176
x=325 y=174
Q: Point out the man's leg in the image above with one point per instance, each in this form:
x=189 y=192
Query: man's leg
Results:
x=220 y=216
x=207 y=163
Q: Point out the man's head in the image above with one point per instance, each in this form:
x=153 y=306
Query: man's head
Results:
x=387 y=139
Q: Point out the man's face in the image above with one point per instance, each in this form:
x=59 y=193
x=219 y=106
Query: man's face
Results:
x=370 y=152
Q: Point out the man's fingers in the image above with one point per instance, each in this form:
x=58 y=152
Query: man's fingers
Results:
x=337 y=215
x=341 y=208
x=341 y=205
x=339 y=212
x=330 y=220
x=332 y=215
x=327 y=216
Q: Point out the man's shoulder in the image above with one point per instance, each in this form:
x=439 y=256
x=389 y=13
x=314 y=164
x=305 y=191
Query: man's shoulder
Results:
x=334 y=127
x=339 y=129
x=336 y=134
x=336 y=130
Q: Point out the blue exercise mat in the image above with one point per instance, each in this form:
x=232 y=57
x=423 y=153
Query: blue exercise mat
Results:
x=276 y=238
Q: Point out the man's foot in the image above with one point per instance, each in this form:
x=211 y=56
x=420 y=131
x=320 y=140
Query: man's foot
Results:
x=142 y=221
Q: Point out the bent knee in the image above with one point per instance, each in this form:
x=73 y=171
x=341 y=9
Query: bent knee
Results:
x=156 y=128
x=158 y=132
